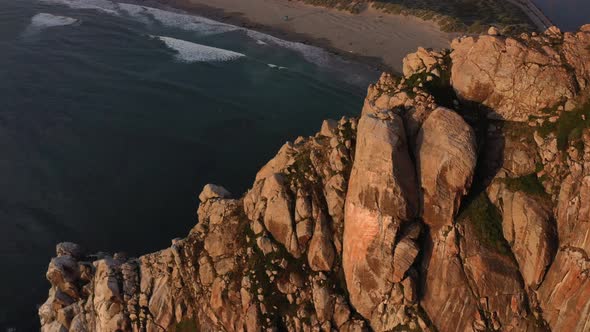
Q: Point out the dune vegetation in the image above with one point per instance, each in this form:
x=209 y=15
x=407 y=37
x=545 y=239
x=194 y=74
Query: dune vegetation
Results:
x=471 y=16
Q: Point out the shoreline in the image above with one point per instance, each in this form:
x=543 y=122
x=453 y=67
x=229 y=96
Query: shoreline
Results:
x=330 y=29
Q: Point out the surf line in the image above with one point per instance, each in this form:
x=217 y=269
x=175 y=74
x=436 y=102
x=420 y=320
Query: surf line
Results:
x=187 y=51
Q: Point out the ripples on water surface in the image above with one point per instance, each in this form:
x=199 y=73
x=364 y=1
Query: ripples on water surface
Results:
x=113 y=117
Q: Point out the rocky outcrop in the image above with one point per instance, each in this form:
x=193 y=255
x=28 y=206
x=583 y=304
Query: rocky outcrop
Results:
x=446 y=157
x=528 y=226
x=413 y=217
x=425 y=61
x=495 y=282
x=567 y=284
x=485 y=69
x=382 y=198
x=269 y=203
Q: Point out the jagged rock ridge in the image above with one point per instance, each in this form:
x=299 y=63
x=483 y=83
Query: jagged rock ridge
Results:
x=457 y=201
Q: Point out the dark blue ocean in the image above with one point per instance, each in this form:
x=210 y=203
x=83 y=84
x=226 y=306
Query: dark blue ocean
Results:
x=113 y=117
x=568 y=15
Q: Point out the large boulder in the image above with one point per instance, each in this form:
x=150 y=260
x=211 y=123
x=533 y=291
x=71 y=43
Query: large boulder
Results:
x=527 y=225
x=382 y=195
x=447 y=298
x=575 y=49
x=494 y=277
x=446 y=156
x=485 y=67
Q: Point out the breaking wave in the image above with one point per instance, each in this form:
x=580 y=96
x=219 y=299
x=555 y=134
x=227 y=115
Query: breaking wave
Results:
x=44 y=21
x=181 y=21
x=198 y=24
x=149 y=15
x=193 y=52
x=310 y=53
x=204 y=26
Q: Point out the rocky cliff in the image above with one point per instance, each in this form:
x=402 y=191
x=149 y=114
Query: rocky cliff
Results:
x=457 y=201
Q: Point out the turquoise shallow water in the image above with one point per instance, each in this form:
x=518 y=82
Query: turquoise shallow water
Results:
x=107 y=133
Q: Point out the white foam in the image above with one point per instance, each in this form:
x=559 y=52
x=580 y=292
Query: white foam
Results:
x=194 y=23
x=275 y=66
x=185 y=22
x=150 y=15
x=45 y=20
x=204 y=26
x=193 y=52
x=312 y=54
x=136 y=12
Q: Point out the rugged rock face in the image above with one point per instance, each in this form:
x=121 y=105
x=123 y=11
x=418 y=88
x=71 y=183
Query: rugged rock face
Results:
x=382 y=198
x=567 y=283
x=528 y=227
x=519 y=77
x=421 y=215
x=446 y=156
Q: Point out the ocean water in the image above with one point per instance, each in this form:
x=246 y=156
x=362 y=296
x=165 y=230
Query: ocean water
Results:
x=568 y=15
x=113 y=117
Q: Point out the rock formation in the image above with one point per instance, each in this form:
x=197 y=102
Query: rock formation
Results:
x=457 y=201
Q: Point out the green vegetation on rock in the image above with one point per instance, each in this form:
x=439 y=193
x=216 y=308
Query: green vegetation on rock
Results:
x=486 y=221
x=528 y=184
x=569 y=127
x=571 y=124
x=187 y=325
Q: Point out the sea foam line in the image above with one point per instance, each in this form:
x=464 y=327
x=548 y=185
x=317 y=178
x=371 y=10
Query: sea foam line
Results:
x=204 y=26
x=44 y=21
x=193 y=52
x=198 y=24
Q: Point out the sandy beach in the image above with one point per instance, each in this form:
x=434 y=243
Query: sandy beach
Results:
x=371 y=36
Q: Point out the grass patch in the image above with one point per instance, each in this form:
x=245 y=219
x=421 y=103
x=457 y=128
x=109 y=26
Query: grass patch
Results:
x=571 y=124
x=439 y=87
x=486 y=221
x=528 y=184
x=187 y=325
x=547 y=128
x=569 y=127
x=297 y=173
x=471 y=16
